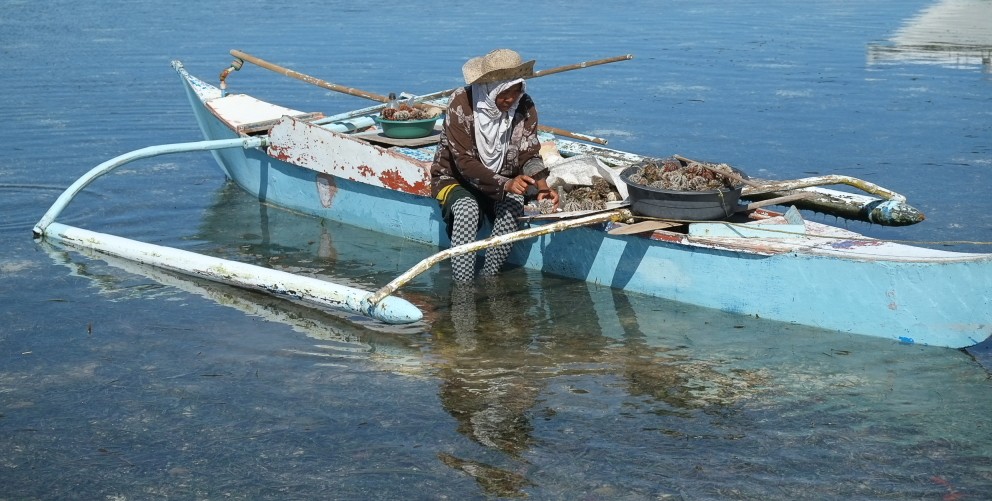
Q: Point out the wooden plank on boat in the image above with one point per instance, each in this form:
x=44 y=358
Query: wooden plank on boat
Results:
x=776 y=201
x=247 y=114
x=615 y=158
x=642 y=227
x=790 y=225
x=652 y=225
x=266 y=125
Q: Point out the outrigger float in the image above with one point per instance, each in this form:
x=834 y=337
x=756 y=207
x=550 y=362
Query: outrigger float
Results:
x=342 y=168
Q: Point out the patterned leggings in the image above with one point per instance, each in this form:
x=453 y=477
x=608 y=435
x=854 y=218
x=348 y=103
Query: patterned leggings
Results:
x=465 y=229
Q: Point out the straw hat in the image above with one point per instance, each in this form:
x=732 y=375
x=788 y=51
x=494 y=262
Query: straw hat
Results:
x=500 y=64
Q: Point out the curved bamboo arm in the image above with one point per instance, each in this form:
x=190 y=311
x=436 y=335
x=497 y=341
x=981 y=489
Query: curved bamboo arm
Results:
x=535 y=231
x=148 y=152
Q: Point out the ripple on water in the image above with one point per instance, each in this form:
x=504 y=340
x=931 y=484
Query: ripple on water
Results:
x=23 y=205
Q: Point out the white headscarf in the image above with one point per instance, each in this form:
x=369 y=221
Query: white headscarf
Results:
x=492 y=127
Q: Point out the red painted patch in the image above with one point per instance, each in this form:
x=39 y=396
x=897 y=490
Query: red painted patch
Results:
x=394 y=181
x=667 y=236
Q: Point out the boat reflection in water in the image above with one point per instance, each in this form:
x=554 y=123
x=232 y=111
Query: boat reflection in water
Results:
x=340 y=341
x=952 y=33
x=237 y=227
x=513 y=346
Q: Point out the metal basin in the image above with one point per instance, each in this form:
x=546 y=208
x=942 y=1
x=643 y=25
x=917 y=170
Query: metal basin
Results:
x=706 y=205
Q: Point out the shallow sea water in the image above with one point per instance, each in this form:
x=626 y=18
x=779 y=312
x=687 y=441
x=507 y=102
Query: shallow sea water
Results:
x=119 y=381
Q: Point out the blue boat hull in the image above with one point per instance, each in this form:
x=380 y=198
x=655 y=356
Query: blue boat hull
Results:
x=940 y=302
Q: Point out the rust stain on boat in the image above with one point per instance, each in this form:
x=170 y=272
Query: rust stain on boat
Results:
x=278 y=153
x=392 y=179
x=365 y=170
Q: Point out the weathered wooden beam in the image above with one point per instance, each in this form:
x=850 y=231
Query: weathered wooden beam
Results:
x=849 y=206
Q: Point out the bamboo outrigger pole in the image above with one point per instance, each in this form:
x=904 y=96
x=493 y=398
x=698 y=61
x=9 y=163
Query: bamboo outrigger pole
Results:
x=534 y=231
x=242 y=56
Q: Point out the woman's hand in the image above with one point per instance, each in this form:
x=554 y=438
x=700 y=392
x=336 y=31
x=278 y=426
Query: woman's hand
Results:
x=545 y=192
x=518 y=185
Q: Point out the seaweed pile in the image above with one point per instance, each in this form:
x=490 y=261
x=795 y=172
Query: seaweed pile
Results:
x=589 y=197
x=404 y=112
x=681 y=175
x=582 y=198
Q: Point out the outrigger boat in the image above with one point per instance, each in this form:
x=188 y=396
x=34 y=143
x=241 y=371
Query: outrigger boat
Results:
x=343 y=168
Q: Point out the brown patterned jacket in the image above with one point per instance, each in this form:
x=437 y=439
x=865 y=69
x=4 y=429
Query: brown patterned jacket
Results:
x=457 y=159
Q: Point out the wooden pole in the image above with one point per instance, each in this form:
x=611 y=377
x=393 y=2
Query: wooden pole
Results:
x=307 y=78
x=579 y=66
x=385 y=99
x=807 y=182
x=397 y=310
x=574 y=135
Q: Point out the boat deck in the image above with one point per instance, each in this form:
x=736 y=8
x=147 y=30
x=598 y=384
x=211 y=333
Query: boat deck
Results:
x=250 y=116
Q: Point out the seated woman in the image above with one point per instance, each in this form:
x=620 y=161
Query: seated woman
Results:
x=488 y=157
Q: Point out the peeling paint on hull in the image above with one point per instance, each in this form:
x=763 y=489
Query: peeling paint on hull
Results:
x=328 y=152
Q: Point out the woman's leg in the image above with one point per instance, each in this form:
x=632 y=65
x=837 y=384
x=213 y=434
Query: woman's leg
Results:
x=464 y=229
x=507 y=213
